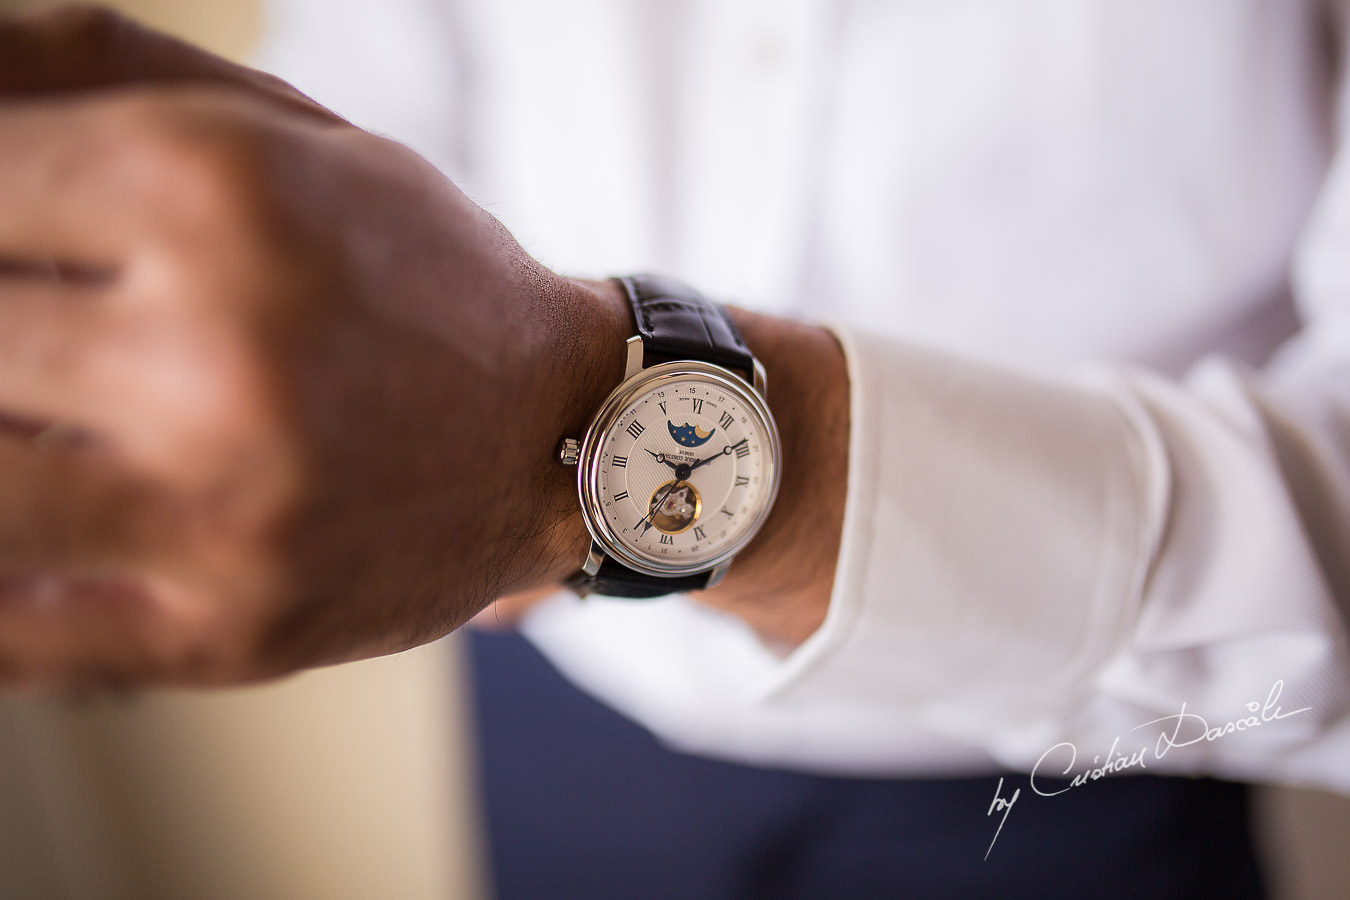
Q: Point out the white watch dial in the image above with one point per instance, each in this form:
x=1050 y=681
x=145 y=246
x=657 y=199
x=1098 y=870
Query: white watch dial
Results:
x=683 y=472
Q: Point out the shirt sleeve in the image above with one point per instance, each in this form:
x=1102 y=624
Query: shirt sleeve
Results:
x=1027 y=564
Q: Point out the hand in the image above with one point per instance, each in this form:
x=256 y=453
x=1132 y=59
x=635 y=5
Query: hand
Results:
x=301 y=394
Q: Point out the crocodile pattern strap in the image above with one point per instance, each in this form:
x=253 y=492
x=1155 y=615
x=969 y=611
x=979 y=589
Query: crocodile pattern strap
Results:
x=676 y=322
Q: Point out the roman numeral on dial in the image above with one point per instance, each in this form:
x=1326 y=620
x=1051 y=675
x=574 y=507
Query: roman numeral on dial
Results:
x=726 y=420
x=742 y=448
x=636 y=429
x=622 y=496
x=667 y=539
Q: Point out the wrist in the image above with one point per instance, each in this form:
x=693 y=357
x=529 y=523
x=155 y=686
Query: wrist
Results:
x=781 y=583
x=581 y=362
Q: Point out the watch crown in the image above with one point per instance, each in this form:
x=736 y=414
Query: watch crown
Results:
x=569 y=451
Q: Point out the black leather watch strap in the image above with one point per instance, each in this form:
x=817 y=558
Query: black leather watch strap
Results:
x=615 y=580
x=676 y=322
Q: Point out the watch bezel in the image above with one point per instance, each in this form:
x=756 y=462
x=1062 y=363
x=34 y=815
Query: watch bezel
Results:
x=589 y=463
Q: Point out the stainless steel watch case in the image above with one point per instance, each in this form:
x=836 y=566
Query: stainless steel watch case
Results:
x=637 y=380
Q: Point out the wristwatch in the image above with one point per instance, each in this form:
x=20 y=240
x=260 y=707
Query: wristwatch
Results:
x=680 y=465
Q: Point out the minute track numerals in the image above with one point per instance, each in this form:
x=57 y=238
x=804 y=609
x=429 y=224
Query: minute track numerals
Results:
x=687 y=467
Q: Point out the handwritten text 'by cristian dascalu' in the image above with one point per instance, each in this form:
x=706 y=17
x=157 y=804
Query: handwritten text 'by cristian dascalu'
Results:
x=1181 y=729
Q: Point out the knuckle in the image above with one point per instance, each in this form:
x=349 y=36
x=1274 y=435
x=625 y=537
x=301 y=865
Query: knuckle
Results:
x=200 y=174
x=188 y=162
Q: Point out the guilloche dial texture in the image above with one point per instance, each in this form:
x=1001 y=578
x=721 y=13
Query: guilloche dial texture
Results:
x=685 y=472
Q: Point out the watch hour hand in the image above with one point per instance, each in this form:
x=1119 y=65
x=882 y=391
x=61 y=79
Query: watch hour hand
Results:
x=660 y=457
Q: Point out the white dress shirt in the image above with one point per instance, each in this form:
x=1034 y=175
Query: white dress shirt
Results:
x=1090 y=264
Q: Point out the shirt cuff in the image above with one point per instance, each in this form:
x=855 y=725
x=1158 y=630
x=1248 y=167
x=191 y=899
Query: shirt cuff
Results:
x=997 y=533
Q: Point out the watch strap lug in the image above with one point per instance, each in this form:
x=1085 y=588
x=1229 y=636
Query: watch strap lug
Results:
x=594 y=558
x=761 y=379
x=635 y=354
x=718 y=573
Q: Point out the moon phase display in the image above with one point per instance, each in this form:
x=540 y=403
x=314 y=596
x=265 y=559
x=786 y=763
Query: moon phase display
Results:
x=687 y=435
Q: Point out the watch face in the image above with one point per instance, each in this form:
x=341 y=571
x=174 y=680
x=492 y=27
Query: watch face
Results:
x=679 y=469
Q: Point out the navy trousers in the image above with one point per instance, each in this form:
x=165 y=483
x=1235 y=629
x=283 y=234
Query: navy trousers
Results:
x=581 y=803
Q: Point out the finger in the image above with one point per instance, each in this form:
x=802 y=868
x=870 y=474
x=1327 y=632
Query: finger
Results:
x=69 y=355
x=72 y=530
x=105 y=574
x=75 y=187
x=120 y=630
x=68 y=511
x=80 y=633
x=78 y=48
x=153 y=388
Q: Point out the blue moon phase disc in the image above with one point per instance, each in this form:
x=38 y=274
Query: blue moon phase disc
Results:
x=687 y=435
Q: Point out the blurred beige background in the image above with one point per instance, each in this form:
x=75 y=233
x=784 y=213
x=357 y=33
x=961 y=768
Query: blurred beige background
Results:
x=342 y=783
x=352 y=782
x=227 y=27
